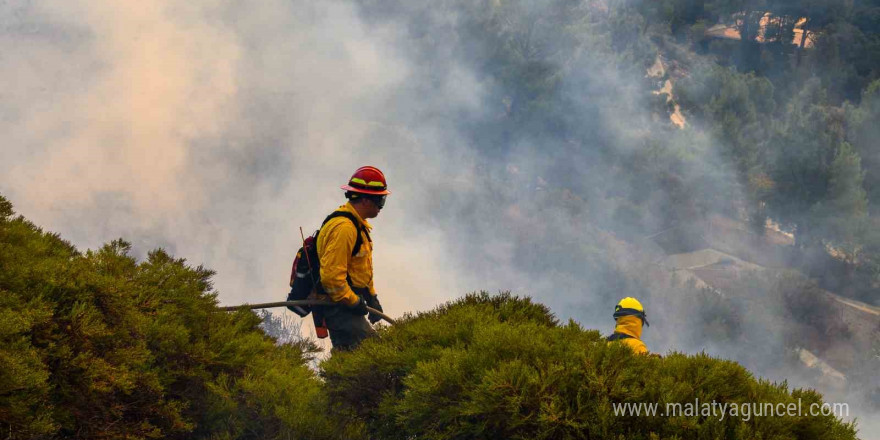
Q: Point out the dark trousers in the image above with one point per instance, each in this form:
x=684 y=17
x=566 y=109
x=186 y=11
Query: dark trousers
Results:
x=347 y=329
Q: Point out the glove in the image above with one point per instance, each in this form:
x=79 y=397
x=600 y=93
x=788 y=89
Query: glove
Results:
x=373 y=302
x=360 y=307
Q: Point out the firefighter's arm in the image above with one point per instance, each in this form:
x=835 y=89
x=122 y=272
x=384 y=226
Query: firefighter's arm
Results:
x=638 y=346
x=339 y=243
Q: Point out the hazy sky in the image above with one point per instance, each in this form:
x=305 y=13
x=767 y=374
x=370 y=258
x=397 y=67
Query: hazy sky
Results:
x=216 y=129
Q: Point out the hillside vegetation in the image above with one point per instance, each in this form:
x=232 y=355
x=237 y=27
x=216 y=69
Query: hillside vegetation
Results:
x=571 y=124
x=99 y=345
x=575 y=162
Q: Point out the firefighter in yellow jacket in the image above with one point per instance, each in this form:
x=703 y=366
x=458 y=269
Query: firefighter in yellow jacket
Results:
x=346 y=252
x=630 y=316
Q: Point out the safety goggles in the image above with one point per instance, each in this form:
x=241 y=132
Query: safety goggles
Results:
x=620 y=312
x=378 y=200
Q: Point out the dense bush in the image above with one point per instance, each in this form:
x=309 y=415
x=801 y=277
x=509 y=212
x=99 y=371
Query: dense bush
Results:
x=502 y=367
x=97 y=345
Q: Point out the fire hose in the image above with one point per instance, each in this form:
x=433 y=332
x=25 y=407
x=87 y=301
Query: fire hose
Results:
x=304 y=302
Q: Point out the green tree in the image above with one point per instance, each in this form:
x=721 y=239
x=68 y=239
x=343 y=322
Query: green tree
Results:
x=26 y=410
x=98 y=345
x=847 y=203
x=800 y=155
x=863 y=132
x=503 y=367
x=734 y=107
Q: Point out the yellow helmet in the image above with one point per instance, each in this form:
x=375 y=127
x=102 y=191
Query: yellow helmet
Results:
x=630 y=306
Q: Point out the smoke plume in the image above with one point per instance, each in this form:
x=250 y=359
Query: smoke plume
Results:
x=216 y=129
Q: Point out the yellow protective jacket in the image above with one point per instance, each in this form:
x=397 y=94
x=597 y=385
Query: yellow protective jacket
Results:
x=632 y=326
x=335 y=244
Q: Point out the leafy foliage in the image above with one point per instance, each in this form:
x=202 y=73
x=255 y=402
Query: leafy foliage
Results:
x=766 y=118
x=97 y=345
x=502 y=367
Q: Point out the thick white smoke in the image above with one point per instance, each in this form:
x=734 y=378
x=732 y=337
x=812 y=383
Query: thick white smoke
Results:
x=216 y=129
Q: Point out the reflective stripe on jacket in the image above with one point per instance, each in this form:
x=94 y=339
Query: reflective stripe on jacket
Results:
x=631 y=326
x=335 y=244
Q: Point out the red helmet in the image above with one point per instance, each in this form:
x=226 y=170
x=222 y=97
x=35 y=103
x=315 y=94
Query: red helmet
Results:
x=367 y=180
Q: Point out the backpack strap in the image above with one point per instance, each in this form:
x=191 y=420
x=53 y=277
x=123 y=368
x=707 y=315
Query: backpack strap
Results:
x=618 y=336
x=360 y=239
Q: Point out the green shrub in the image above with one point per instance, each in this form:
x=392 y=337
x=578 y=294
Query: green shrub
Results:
x=97 y=345
x=502 y=367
